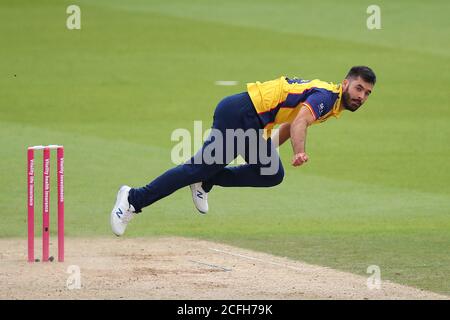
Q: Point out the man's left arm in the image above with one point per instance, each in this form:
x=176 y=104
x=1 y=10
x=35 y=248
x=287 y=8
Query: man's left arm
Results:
x=282 y=134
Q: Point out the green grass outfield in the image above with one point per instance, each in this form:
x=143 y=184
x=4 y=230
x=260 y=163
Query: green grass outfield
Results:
x=375 y=192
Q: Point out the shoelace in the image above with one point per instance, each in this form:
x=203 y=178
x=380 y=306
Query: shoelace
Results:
x=127 y=216
x=203 y=193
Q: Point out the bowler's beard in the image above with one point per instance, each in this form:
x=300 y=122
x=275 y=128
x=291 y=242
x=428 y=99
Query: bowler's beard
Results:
x=347 y=102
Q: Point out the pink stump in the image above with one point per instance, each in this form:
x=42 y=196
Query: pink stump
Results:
x=60 y=168
x=46 y=205
x=30 y=179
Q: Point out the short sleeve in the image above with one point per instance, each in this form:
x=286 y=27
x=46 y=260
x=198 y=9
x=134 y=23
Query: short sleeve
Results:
x=319 y=103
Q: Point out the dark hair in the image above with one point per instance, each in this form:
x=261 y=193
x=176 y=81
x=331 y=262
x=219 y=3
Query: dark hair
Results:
x=364 y=72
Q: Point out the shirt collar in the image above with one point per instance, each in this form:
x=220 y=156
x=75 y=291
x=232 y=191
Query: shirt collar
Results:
x=338 y=107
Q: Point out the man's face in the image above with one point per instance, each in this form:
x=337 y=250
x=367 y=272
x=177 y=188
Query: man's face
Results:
x=355 y=92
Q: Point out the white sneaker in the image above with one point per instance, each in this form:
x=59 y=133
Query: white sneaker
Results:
x=122 y=212
x=200 y=197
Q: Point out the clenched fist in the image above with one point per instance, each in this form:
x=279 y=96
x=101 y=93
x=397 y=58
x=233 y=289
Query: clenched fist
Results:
x=299 y=159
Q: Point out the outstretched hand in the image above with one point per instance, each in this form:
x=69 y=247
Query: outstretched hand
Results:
x=299 y=159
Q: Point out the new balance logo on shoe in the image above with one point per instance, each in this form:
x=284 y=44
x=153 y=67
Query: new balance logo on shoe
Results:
x=119 y=213
x=200 y=197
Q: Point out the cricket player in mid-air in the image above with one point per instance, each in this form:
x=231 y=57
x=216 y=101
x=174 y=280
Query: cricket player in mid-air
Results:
x=293 y=104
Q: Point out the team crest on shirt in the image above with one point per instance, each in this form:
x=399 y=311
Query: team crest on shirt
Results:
x=296 y=80
x=321 y=107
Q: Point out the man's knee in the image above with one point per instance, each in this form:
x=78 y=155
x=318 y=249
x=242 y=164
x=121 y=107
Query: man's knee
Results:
x=279 y=176
x=275 y=178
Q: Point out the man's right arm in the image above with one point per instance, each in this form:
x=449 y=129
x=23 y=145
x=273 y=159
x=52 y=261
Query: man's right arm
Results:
x=299 y=127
